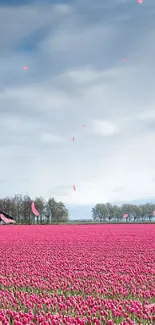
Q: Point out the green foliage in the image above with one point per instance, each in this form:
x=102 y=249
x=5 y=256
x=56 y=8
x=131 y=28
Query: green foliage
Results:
x=108 y=212
x=20 y=208
x=52 y=212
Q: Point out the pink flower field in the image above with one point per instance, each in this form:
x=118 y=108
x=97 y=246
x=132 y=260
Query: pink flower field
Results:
x=77 y=274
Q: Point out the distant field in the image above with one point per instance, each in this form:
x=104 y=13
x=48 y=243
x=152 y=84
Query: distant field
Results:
x=77 y=274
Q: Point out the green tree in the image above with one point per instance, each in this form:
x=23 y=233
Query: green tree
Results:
x=26 y=210
x=56 y=211
x=99 y=213
x=134 y=211
x=117 y=212
x=40 y=205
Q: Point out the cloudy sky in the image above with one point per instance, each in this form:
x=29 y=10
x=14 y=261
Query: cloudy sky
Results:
x=89 y=63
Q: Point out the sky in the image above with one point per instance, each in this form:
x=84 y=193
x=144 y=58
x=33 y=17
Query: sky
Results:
x=89 y=63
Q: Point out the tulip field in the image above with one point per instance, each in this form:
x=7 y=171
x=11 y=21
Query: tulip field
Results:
x=77 y=274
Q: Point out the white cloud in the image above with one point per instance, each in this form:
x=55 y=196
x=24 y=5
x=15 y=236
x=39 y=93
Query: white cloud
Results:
x=105 y=128
x=63 y=9
x=147 y=115
x=51 y=138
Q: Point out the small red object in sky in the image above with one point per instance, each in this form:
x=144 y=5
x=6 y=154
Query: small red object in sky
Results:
x=34 y=210
x=26 y=68
x=140 y=1
x=74 y=188
x=124 y=59
x=73 y=138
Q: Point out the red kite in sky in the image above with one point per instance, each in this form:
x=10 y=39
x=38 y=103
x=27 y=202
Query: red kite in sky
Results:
x=6 y=220
x=34 y=210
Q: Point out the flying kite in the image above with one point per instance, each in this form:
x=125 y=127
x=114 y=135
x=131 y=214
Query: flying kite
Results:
x=125 y=215
x=74 y=188
x=6 y=220
x=34 y=210
x=26 y=67
x=6 y=215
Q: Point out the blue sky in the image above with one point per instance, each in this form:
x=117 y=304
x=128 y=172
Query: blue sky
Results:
x=74 y=51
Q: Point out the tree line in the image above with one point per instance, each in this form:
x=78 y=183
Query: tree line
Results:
x=108 y=212
x=19 y=207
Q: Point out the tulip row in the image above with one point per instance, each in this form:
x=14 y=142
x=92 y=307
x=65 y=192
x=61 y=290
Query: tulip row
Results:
x=77 y=275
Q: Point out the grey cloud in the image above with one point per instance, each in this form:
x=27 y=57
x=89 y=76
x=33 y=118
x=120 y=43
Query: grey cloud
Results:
x=3 y=180
x=76 y=76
